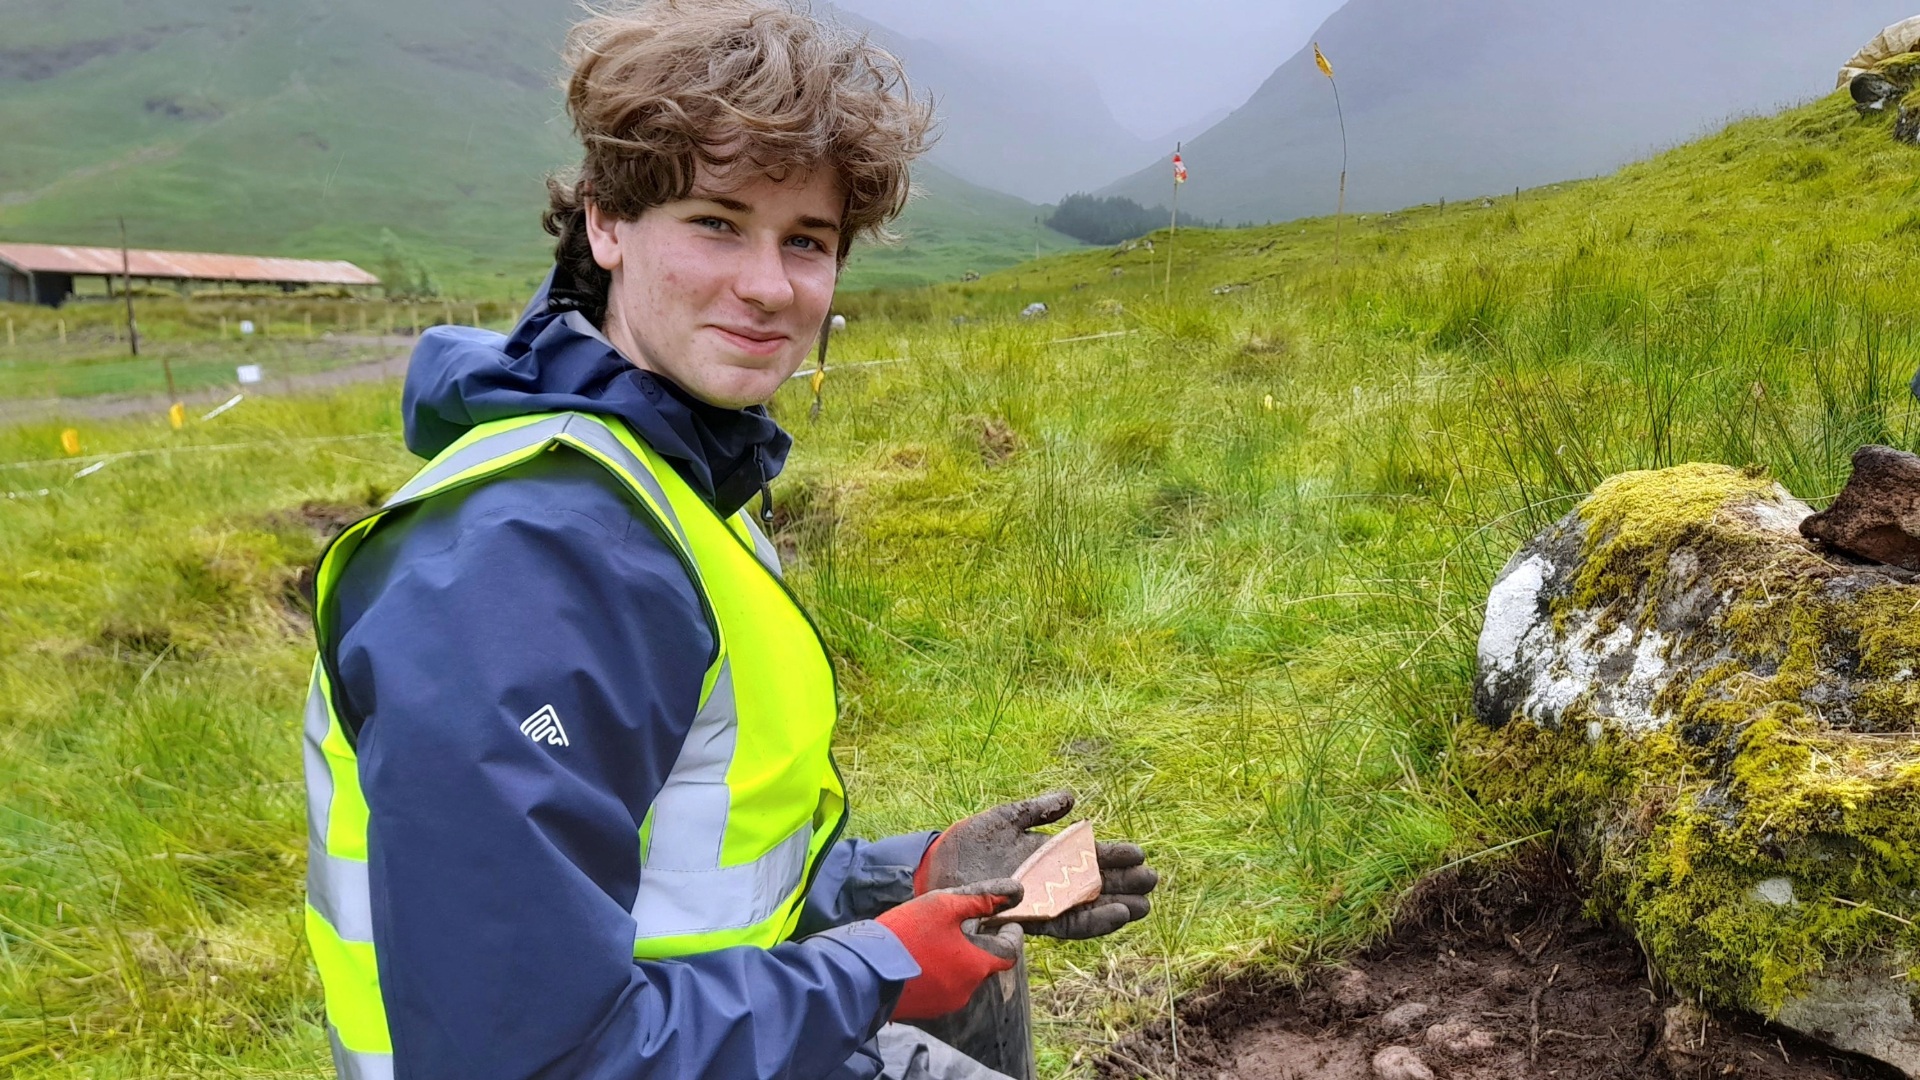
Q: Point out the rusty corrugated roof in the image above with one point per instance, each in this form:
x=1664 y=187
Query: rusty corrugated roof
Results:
x=186 y=265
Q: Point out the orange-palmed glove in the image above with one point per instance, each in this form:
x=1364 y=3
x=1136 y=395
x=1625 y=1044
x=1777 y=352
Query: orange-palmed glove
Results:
x=954 y=959
x=993 y=844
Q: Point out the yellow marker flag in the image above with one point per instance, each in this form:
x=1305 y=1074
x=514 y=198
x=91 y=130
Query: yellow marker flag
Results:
x=819 y=377
x=177 y=415
x=70 y=442
x=1320 y=60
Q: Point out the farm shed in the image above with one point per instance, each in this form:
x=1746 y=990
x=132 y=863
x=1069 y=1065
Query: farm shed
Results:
x=45 y=273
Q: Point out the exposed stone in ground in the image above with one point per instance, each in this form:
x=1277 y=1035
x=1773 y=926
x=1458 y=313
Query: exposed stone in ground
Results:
x=1517 y=986
x=1722 y=719
x=1892 y=85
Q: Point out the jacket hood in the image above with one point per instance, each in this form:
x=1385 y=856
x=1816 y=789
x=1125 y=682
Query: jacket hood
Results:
x=556 y=361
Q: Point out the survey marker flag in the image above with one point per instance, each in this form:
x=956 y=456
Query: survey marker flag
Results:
x=1340 y=208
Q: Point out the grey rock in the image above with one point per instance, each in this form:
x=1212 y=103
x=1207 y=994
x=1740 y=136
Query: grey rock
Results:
x=1866 y=1012
x=1404 y=1016
x=1906 y=126
x=1871 y=91
x=1712 y=614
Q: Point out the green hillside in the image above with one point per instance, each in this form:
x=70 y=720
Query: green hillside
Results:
x=1216 y=559
x=308 y=129
x=951 y=227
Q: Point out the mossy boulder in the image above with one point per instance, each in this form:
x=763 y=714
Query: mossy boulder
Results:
x=1727 y=722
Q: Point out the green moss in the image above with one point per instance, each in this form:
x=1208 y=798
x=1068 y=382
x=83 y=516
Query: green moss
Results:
x=1636 y=520
x=1903 y=69
x=1748 y=779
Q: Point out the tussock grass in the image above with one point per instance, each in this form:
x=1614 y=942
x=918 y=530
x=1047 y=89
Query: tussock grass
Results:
x=1220 y=572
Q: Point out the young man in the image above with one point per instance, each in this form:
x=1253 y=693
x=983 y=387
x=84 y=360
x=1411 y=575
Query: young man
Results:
x=572 y=806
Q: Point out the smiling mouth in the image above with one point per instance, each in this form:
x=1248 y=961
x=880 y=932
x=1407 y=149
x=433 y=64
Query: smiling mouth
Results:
x=746 y=341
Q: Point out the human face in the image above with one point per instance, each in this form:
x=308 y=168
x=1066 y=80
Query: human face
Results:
x=724 y=291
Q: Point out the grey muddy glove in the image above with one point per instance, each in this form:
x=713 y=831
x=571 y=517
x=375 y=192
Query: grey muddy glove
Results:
x=993 y=843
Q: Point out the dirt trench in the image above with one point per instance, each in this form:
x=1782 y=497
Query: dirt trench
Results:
x=1487 y=975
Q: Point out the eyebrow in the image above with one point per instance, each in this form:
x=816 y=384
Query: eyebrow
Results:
x=739 y=207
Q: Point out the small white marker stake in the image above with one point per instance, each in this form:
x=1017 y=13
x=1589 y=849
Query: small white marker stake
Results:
x=223 y=407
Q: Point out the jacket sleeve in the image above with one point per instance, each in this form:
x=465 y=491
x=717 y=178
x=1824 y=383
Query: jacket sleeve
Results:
x=502 y=870
x=859 y=879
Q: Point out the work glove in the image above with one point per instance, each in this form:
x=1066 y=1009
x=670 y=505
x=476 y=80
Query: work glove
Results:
x=953 y=959
x=993 y=844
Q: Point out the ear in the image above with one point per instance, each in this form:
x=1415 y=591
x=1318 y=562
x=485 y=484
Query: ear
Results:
x=603 y=237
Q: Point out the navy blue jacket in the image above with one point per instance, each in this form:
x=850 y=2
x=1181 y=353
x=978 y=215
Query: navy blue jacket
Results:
x=502 y=870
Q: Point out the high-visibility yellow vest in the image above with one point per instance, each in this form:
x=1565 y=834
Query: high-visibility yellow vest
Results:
x=729 y=846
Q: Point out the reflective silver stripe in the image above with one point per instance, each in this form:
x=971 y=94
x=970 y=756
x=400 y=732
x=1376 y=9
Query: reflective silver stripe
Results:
x=337 y=889
x=674 y=902
x=478 y=453
x=595 y=434
x=319 y=777
x=763 y=548
x=575 y=426
x=683 y=888
x=354 y=1065
x=690 y=813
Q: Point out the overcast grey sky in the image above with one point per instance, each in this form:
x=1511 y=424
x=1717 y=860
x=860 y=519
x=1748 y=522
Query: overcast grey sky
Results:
x=1158 y=63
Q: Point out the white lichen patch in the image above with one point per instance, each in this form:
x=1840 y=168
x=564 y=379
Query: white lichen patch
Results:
x=1514 y=608
x=1612 y=673
x=1777 y=891
x=1780 y=514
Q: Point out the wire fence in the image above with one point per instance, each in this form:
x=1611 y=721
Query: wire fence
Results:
x=86 y=465
x=84 y=349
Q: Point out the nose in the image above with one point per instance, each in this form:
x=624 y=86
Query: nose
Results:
x=762 y=280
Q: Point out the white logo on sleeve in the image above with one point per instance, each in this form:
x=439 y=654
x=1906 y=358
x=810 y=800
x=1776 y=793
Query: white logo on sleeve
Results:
x=544 y=727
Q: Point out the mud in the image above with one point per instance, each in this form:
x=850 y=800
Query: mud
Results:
x=323 y=520
x=1487 y=975
x=326 y=518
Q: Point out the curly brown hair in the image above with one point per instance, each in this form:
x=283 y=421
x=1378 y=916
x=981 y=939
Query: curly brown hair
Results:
x=659 y=87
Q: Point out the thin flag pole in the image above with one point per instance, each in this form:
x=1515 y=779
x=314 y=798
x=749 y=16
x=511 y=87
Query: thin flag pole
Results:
x=819 y=372
x=1340 y=208
x=1173 y=226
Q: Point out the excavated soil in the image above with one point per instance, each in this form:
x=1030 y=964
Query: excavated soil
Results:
x=1488 y=975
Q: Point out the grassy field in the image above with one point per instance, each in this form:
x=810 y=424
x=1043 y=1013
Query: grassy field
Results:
x=1214 y=560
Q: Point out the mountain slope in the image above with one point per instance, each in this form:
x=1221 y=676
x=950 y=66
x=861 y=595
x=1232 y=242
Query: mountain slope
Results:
x=953 y=226
x=1040 y=134
x=298 y=129
x=1480 y=96
x=308 y=129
